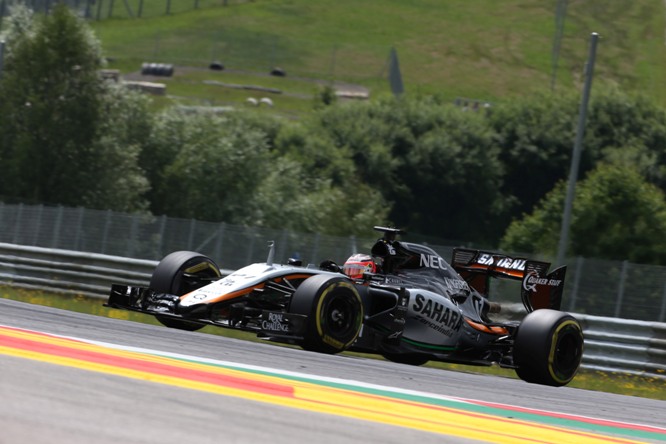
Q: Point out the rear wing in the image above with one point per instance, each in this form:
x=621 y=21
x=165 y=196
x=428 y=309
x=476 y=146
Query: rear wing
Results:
x=539 y=289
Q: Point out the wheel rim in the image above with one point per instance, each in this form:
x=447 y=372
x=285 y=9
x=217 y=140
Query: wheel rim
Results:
x=568 y=352
x=187 y=279
x=339 y=316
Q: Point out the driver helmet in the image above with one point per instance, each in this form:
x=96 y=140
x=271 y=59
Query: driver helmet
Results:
x=358 y=264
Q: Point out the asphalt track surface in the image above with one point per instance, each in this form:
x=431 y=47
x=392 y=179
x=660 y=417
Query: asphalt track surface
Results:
x=41 y=402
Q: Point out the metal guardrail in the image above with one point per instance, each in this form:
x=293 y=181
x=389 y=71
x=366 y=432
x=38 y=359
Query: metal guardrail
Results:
x=611 y=344
x=72 y=272
x=625 y=346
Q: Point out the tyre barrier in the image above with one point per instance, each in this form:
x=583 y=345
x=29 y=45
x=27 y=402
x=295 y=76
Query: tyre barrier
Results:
x=278 y=72
x=157 y=69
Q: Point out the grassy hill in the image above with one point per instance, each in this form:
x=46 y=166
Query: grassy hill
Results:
x=481 y=49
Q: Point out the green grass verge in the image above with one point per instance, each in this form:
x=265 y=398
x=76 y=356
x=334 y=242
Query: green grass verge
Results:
x=484 y=49
x=599 y=381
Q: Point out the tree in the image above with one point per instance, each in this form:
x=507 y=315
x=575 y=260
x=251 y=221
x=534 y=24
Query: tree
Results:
x=631 y=130
x=436 y=165
x=454 y=176
x=535 y=135
x=223 y=168
x=124 y=132
x=56 y=133
x=204 y=166
x=50 y=96
x=616 y=215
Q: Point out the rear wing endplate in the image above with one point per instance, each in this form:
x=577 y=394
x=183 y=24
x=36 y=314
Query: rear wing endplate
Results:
x=539 y=289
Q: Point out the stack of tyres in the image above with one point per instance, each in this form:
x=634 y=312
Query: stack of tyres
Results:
x=157 y=69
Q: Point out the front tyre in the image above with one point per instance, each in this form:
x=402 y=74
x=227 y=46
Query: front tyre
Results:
x=334 y=310
x=180 y=273
x=548 y=348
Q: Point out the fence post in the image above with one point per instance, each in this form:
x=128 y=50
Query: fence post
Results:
x=283 y=249
x=38 y=228
x=140 y=11
x=129 y=9
x=662 y=313
x=78 y=230
x=56 y=228
x=99 y=9
x=574 y=295
x=160 y=247
x=315 y=249
x=190 y=236
x=2 y=53
x=218 y=241
x=134 y=231
x=88 y=12
x=620 y=294
x=19 y=215
x=250 y=251
x=168 y=7
x=105 y=234
x=110 y=13
x=3 y=11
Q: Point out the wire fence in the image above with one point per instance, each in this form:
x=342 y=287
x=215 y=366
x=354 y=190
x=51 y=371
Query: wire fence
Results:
x=595 y=287
x=105 y=9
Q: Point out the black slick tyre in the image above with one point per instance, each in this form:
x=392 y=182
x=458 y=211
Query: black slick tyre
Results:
x=334 y=309
x=180 y=273
x=548 y=348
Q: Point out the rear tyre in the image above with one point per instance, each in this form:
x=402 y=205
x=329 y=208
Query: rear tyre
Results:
x=548 y=348
x=180 y=273
x=334 y=310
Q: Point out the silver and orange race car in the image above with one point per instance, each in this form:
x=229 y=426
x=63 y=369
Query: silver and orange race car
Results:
x=406 y=303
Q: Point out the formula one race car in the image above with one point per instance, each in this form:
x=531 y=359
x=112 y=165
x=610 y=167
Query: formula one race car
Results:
x=403 y=301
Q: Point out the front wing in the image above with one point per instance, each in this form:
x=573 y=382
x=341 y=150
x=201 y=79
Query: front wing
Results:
x=274 y=325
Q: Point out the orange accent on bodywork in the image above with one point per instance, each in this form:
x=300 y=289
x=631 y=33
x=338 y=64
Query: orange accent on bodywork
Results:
x=518 y=274
x=492 y=329
x=244 y=291
x=228 y=296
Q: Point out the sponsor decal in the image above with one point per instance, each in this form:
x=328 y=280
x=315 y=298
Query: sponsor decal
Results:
x=433 y=261
x=393 y=280
x=227 y=281
x=532 y=279
x=275 y=322
x=456 y=284
x=437 y=316
x=505 y=262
